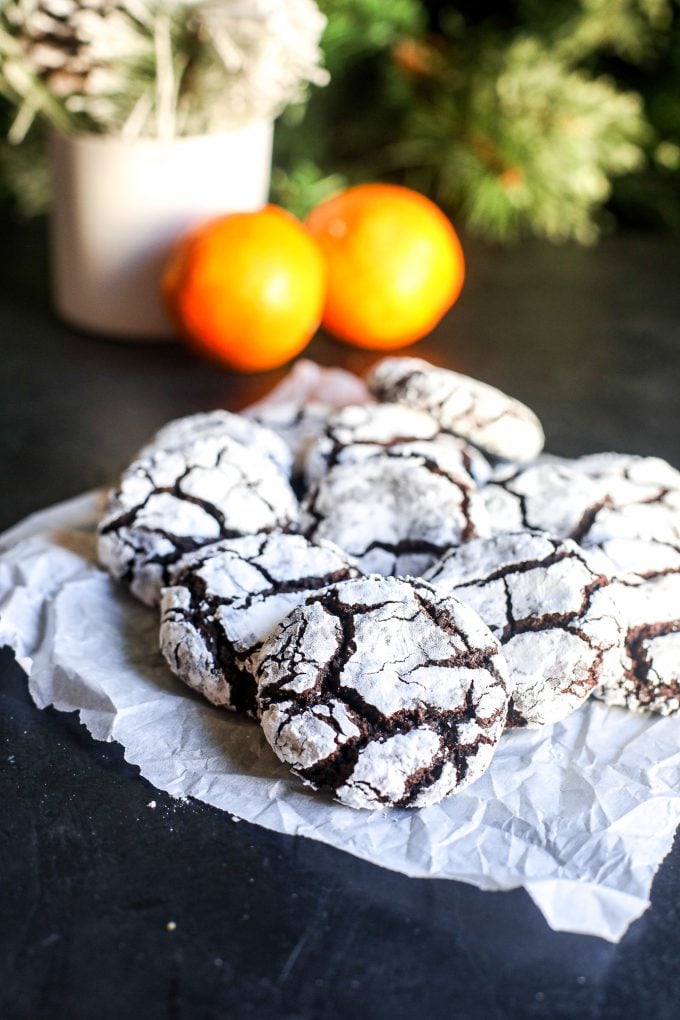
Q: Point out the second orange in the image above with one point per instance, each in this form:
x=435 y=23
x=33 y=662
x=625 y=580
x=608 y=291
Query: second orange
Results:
x=395 y=264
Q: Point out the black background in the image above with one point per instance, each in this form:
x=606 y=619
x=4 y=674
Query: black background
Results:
x=268 y=925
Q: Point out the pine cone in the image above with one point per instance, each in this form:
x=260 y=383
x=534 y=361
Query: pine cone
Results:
x=57 y=37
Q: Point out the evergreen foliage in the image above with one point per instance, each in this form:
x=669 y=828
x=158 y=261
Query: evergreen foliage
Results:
x=521 y=117
x=518 y=117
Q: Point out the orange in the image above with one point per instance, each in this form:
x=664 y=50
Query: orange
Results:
x=395 y=264
x=247 y=288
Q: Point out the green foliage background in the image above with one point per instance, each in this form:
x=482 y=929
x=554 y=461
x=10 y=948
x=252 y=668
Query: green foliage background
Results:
x=524 y=117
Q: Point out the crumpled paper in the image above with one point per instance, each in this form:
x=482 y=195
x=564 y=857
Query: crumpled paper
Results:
x=581 y=813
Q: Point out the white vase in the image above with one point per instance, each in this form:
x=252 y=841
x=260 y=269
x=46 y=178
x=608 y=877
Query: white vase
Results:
x=119 y=207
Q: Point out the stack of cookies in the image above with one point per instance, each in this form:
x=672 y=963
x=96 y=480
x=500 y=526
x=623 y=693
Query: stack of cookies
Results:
x=388 y=587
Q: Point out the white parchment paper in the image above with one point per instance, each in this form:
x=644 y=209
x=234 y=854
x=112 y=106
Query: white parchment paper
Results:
x=581 y=813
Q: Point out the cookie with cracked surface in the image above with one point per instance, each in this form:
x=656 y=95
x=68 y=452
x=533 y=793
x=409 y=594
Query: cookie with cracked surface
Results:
x=297 y=425
x=647 y=587
x=591 y=499
x=225 y=599
x=361 y=431
x=383 y=692
x=220 y=424
x=483 y=415
x=650 y=681
x=550 y=609
x=394 y=515
x=172 y=502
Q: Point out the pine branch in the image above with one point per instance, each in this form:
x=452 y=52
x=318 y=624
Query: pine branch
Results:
x=522 y=142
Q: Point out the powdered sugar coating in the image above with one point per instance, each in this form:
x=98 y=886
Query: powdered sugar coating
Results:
x=225 y=599
x=394 y=515
x=550 y=609
x=547 y=496
x=591 y=499
x=361 y=431
x=643 y=497
x=174 y=501
x=383 y=692
x=297 y=425
x=647 y=589
x=498 y=424
x=633 y=561
x=219 y=425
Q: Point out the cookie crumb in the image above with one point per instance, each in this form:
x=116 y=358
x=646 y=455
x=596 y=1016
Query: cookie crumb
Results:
x=171 y=926
x=151 y=804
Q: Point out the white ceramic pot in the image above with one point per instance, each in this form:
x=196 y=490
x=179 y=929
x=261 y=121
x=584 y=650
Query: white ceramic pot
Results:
x=119 y=206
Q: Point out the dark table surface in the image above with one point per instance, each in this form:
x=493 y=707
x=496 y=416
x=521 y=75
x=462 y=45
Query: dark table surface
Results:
x=268 y=925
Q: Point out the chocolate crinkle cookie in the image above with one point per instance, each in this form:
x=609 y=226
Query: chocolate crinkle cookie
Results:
x=591 y=499
x=361 y=431
x=552 y=611
x=383 y=692
x=225 y=600
x=220 y=424
x=646 y=579
x=395 y=515
x=497 y=424
x=172 y=502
